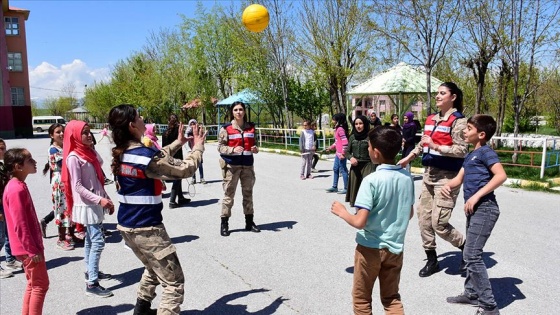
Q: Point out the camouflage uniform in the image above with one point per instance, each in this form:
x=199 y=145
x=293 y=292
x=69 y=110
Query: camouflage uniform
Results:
x=155 y=250
x=152 y=244
x=232 y=175
x=434 y=210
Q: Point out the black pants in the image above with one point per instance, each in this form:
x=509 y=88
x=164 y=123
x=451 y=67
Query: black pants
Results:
x=176 y=191
x=315 y=160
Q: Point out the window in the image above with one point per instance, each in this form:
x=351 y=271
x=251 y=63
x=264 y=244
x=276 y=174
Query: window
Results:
x=14 y=62
x=11 y=24
x=17 y=96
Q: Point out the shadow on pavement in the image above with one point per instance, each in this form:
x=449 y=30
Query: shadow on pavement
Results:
x=108 y=309
x=127 y=278
x=221 y=305
x=61 y=261
x=319 y=176
x=213 y=181
x=450 y=261
x=201 y=203
x=275 y=227
x=506 y=290
x=184 y=239
x=116 y=236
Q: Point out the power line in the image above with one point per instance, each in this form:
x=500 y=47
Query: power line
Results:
x=40 y=88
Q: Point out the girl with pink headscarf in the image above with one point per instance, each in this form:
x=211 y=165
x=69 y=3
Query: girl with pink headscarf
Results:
x=86 y=197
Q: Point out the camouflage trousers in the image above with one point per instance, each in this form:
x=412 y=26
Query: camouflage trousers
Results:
x=234 y=174
x=153 y=247
x=434 y=210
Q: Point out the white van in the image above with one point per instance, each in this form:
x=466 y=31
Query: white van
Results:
x=42 y=123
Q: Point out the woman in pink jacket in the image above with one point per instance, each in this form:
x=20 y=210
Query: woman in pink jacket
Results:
x=340 y=144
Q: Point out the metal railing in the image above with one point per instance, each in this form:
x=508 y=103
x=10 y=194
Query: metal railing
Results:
x=549 y=156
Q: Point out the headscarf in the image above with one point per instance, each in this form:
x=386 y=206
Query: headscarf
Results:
x=410 y=122
x=73 y=143
x=360 y=135
x=340 y=120
x=150 y=134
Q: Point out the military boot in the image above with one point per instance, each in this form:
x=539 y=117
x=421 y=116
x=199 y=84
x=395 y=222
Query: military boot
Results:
x=142 y=307
x=224 y=228
x=432 y=266
x=250 y=225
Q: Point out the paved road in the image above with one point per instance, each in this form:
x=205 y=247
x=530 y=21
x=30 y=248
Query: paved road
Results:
x=302 y=261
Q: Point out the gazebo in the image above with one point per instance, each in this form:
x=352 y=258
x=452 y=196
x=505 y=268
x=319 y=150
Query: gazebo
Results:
x=399 y=81
x=79 y=113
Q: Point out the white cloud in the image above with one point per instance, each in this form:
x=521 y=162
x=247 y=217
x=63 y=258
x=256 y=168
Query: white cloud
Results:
x=47 y=80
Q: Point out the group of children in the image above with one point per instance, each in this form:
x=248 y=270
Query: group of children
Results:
x=384 y=206
x=78 y=198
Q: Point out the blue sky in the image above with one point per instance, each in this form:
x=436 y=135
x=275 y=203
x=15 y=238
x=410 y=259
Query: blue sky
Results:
x=78 y=41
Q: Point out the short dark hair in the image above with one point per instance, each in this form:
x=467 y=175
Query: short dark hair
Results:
x=386 y=140
x=484 y=123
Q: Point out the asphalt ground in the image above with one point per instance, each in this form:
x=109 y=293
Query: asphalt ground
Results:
x=302 y=261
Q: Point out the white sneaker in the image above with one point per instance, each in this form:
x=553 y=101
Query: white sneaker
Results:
x=5 y=274
x=14 y=265
x=313 y=170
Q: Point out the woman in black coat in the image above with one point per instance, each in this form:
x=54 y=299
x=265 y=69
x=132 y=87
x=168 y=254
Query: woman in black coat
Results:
x=168 y=137
x=409 y=130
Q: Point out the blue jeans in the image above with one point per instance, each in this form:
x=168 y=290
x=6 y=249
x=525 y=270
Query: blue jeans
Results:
x=340 y=167
x=3 y=233
x=479 y=228
x=5 y=242
x=93 y=245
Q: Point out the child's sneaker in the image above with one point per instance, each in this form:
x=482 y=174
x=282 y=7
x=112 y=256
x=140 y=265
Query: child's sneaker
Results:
x=64 y=245
x=462 y=299
x=70 y=240
x=14 y=265
x=5 y=273
x=309 y=176
x=202 y=181
x=314 y=170
x=100 y=276
x=97 y=290
x=302 y=177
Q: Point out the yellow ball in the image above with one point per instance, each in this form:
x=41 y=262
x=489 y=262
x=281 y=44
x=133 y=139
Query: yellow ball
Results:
x=255 y=18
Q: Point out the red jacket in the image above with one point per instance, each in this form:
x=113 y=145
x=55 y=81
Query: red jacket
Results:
x=24 y=230
x=245 y=139
x=441 y=135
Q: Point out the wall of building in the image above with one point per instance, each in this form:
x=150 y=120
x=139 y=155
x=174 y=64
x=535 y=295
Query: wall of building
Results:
x=15 y=120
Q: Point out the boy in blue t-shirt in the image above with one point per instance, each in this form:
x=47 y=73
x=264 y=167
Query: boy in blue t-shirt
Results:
x=481 y=174
x=384 y=206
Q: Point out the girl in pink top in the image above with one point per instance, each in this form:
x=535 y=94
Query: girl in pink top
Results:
x=85 y=196
x=105 y=133
x=340 y=144
x=24 y=229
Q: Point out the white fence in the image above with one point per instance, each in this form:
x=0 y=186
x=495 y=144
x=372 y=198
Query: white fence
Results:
x=550 y=154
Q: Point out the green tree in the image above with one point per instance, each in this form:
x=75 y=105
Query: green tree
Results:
x=334 y=43
x=423 y=28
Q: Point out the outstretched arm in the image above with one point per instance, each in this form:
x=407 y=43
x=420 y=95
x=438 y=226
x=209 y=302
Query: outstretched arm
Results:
x=357 y=220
